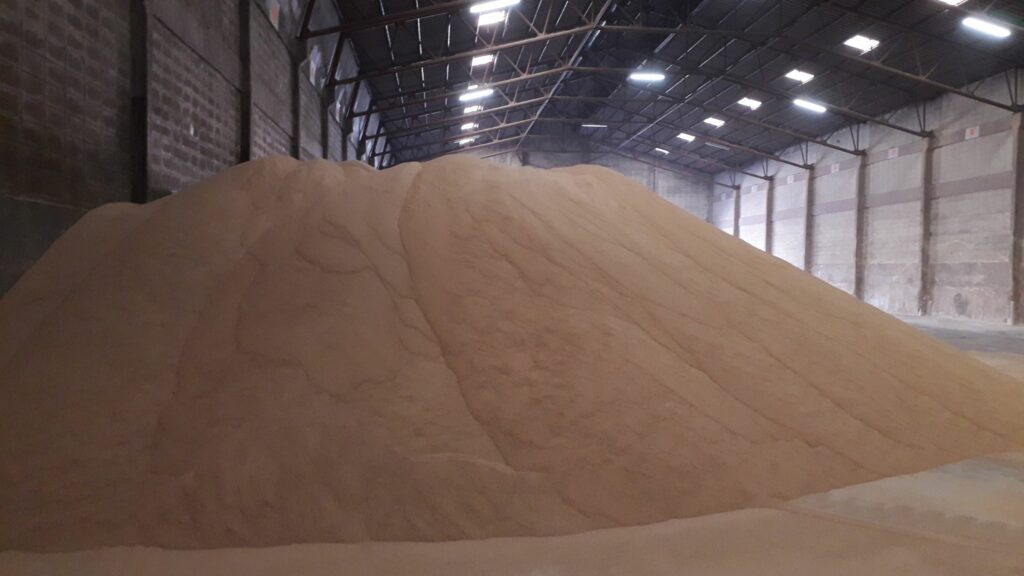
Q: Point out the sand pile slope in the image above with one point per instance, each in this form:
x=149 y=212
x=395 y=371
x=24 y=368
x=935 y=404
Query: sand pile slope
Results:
x=298 y=353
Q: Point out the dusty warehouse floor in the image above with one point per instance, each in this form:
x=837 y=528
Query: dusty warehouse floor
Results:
x=997 y=345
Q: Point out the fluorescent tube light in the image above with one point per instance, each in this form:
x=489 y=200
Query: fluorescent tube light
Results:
x=687 y=137
x=471 y=109
x=468 y=126
x=719 y=146
x=986 y=27
x=953 y=2
x=750 y=103
x=714 y=121
x=662 y=150
x=862 y=43
x=482 y=59
x=799 y=75
x=475 y=94
x=594 y=125
x=464 y=141
x=647 y=76
x=491 y=6
x=490 y=18
x=812 y=106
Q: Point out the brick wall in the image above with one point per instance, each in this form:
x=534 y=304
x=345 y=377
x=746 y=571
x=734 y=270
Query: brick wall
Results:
x=272 y=97
x=310 y=131
x=194 y=115
x=68 y=129
x=267 y=137
x=64 y=126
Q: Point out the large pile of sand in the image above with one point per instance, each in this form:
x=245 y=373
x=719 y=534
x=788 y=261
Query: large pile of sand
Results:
x=319 y=353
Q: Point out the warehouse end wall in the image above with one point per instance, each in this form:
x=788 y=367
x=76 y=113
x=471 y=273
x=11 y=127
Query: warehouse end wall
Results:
x=690 y=192
x=131 y=101
x=916 y=225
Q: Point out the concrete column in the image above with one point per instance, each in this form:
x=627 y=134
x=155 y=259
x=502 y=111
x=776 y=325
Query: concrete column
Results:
x=736 y=193
x=769 y=211
x=296 y=105
x=927 y=280
x=1017 y=203
x=860 y=246
x=245 y=82
x=139 y=119
x=809 y=221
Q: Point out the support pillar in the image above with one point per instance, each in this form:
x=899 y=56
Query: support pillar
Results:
x=809 y=221
x=1017 y=203
x=736 y=193
x=245 y=81
x=927 y=279
x=325 y=123
x=769 y=211
x=139 y=120
x=860 y=246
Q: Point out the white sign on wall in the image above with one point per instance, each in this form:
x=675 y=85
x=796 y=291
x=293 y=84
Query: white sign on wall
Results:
x=833 y=168
x=893 y=153
x=790 y=179
x=972 y=132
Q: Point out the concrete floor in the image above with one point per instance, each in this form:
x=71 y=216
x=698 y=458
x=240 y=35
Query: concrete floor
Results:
x=970 y=335
x=998 y=345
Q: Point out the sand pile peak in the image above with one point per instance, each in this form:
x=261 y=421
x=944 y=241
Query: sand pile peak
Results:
x=310 y=352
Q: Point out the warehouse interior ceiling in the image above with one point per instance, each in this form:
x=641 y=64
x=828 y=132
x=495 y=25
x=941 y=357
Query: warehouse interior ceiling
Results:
x=743 y=79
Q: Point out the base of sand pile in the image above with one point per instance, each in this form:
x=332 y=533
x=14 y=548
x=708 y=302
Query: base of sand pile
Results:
x=1009 y=364
x=962 y=518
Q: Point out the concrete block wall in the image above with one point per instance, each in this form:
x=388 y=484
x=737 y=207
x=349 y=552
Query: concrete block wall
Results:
x=194 y=119
x=273 y=88
x=834 y=222
x=130 y=101
x=789 y=215
x=894 y=190
x=915 y=225
x=64 y=128
x=972 y=220
x=753 y=215
x=722 y=211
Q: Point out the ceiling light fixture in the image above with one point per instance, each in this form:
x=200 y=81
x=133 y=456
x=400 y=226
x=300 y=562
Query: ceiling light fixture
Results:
x=808 y=105
x=799 y=75
x=714 y=121
x=662 y=150
x=464 y=141
x=471 y=109
x=862 y=43
x=687 y=137
x=483 y=59
x=719 y=146
x=490 y=18
x=594 y=125
x=492 y=6
x=750 y=103
x=953 y=2
x=468 y=126
x=986 y=27
x=642 y=76
x=475 y=94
